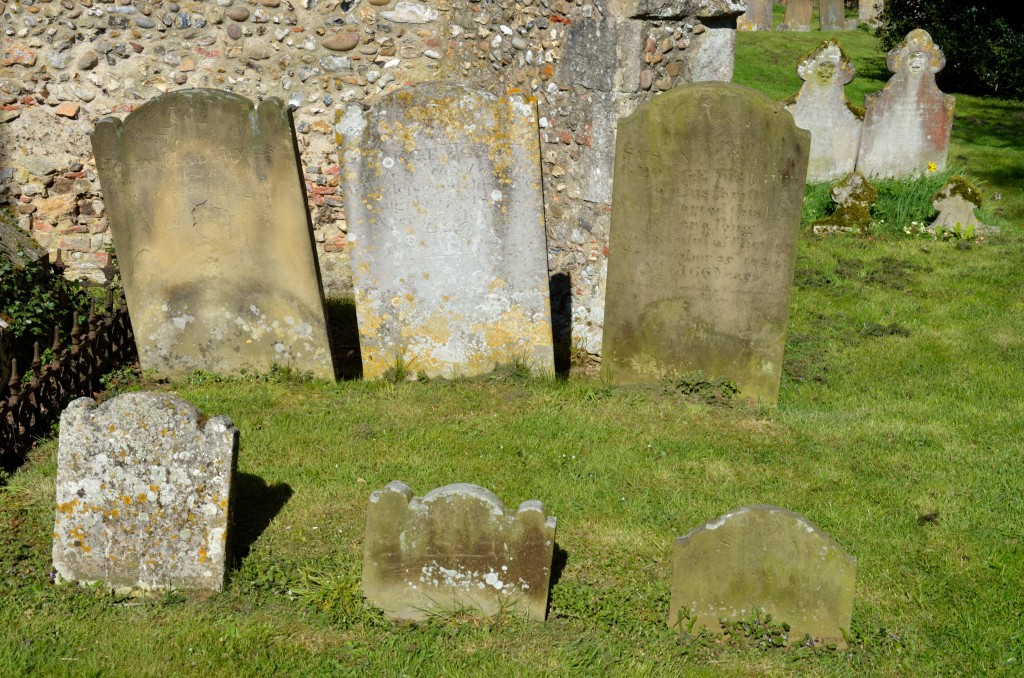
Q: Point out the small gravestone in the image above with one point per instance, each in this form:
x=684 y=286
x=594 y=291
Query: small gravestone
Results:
x=767 y=558
x=821 y=107
x=758 y=16
x=832 y=15
x=870 y=10
x=456 y=548
x=208 y=215
x=908 y=123
x=143 y=493
x=798 y=15
x=854 y=196
x=956 y=203
x=709 y=181
x=446 y=231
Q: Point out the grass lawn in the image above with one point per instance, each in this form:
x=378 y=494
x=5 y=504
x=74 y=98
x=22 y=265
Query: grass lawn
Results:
x=899 y=431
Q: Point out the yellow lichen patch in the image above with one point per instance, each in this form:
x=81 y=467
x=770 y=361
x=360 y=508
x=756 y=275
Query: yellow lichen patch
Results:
x=111 y=428
x=141 y=498
x=223 y=503
x=127 y=500
x=67 y=506
x=495 y=284
x=154 y=488
x=202 y=555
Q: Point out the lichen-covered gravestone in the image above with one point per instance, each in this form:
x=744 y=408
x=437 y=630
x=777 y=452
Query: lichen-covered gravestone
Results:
x=907 y=124
x=758 y=16
x=870 y=10
x=456 y=548
x=854 y=196
x=798 y=15
x=208 y=215
x=767 y=558
x=956 y=202
x=821 y=107
x=446 y=229
x=709 y=181
x=832 y=15
x=143 y=493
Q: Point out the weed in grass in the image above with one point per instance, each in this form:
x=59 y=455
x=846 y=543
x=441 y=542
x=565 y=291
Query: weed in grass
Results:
x=400 y=370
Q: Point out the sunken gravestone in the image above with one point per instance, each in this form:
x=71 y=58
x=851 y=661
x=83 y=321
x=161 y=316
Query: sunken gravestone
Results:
x=208 y=215
x=143 y=493
x=709 y=180
x=767 y=558
x=456 y=548
x=832 y=15
x=854 y=197
x=907 y=124
x=758 y=16
x=446 y=229
x=798 y=15
x=956 y=202
x=821 y=107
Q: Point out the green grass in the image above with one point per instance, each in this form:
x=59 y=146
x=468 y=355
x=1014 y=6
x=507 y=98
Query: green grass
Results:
x=899 y=431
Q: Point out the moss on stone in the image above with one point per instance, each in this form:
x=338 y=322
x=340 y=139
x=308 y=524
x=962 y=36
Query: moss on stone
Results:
x=855 y=109
x=960 y=186
x=843 y=56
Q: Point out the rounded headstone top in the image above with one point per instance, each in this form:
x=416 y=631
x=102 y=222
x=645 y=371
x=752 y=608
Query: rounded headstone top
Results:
x=917 y=53
x=826 y=64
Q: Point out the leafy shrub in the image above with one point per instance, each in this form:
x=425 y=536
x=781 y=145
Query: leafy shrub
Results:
x=983 y=41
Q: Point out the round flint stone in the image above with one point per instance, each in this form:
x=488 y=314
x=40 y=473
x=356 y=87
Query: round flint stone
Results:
x=341 y=42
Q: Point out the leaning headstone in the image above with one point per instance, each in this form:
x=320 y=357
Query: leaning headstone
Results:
x=870 y=11
x=709 y=181
x=208 y=215
x=956 y=202
x=832 y=15
x=453 y=549
x=798 y=16
x=446 y=229
x=854 y=196
x=767 y=558
x=758 y=16
x=821 y=107
x=907 y=124
x=143 y=493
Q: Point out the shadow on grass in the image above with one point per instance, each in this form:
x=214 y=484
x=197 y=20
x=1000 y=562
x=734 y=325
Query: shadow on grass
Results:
x=343 y=332
x=256 y=504
x=559 y=559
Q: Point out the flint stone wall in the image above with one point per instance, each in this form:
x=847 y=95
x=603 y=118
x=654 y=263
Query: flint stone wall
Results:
x=67 y=65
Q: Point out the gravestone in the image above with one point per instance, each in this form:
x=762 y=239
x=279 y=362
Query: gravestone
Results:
x=832 y=15
x=956 y=202
x=907 y=124
x=446 y=231
x=758 y=16
x=456 y=548
x=798 y=16
x=709 y=180
x=768 y=558
x=854 y=196
x=822 y=109
x=870 y=11
x=208 y=215
x=143 y=493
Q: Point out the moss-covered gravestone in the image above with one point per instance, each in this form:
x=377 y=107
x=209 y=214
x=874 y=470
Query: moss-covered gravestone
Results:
x=709 y=182
x=854 y=196
x=456 y=548
x=143 y=493
x=763 y=558
x=446 y=230
x=956 y=203
x=798 y=15
x=208 y=215
x=907 y=125
x=821 y=107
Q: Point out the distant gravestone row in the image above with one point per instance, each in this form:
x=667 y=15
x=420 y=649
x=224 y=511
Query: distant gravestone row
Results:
x=831 y=15
x=144 y=498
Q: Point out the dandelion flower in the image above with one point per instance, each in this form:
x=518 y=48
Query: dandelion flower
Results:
x=932 y=167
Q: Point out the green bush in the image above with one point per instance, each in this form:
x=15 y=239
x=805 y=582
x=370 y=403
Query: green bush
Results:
x=983 y=41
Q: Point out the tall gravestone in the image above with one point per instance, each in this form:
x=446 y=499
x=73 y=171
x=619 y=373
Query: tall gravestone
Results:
x=758 y=16
x=832 y=15
x=709 y=180
x=143 y=493
x=907 y=124
x=446 y=228
x=870 y=11
x=208 y=215
x=454 y=548
x=763 y=557
x=822 y=108
x=798 y=15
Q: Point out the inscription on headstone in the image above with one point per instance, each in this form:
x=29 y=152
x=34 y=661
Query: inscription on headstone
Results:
x=763 y=557
x=798 y=15
x=454 y=548
x=709 y=180
x=143 y=493
x=821 y=108
x=208 y=215
x=446 y=228
x=832 y=15
x=907 y=125
x=758 y=16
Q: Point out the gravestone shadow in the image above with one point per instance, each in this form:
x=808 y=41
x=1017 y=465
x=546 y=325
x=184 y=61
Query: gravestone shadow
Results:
x=343 y=335
x=559 y=559
x=256 y=504
x=560 y=290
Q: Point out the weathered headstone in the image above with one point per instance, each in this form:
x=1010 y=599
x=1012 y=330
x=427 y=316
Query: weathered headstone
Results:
x=956 y=202
x=446 y=231
x=870 y=11
x=143 y=493
x=455 y=548
x=832 y=15
x=763 y=557
x=907 y=124
x=208 y=215
x=709 y=181
x=854 y=197
x=798 y=16
x=758 y=16
x=821 y=107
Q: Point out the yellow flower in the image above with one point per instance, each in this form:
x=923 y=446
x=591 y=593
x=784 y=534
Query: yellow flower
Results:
x=932 y=167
